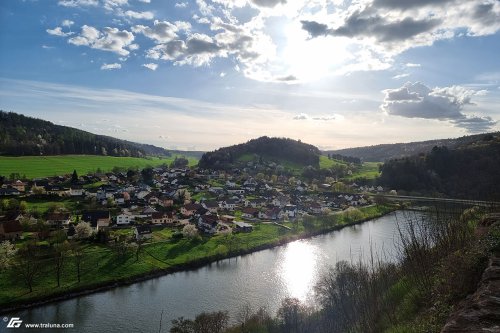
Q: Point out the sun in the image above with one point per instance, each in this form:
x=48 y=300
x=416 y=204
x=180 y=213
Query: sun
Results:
x=310 y=59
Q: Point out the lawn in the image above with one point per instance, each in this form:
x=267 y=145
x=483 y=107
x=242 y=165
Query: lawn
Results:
x=44 y=166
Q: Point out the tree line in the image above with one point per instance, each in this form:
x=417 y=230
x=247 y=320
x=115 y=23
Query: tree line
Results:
x=470 y=172
x=26 y=136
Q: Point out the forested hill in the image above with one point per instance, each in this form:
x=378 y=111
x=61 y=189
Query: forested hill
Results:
x=278 y=150
x=469 y=171
x=384 y=152
x=25 y=136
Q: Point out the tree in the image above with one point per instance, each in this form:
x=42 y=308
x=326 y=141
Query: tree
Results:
x=74 y=177
x=189 y=231
x=28 y=266
x=60 y=251
x=83 y=230
x=78 y=255
x=139 y=245
x=214 y=322
x=181 y=325
x=179 y=162
x=7 y=253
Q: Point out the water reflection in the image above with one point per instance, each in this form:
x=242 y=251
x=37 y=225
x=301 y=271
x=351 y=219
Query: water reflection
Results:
x=299 y=268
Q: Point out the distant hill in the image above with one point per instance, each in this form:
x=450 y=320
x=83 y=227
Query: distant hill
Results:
x=384 y=152
x=26 y=136
x=470 y=170
x=278 y=150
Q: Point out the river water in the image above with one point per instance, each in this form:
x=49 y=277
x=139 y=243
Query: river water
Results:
x=259 y=279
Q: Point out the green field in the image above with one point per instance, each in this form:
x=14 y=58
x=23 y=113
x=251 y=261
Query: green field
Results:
x=368 y=170
x=326 y=163
x=43 y=166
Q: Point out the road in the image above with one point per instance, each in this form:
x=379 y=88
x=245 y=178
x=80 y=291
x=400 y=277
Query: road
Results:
x=443 y=200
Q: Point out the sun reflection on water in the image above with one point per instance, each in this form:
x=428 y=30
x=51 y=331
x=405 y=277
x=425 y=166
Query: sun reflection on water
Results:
x=299 y=269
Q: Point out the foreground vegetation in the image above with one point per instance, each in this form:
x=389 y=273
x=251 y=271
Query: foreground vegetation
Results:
x=56 y=267
x=442 y=258
x=44 y=166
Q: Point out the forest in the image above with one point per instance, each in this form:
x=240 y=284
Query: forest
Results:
x=470 y=172
x=273 y=149
x=26 y=136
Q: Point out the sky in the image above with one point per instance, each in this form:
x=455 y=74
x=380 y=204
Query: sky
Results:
x=198 y=75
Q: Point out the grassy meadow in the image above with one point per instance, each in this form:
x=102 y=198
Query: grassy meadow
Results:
x=44 y=166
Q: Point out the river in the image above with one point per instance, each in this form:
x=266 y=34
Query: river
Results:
x=259 y=279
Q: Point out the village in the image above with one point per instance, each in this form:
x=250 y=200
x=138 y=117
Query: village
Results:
x=214 y=202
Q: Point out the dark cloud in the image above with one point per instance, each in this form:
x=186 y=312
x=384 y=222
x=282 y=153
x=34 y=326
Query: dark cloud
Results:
x=315 y=29
x=196 y=45
x=359 y=25
x=415 y=100
x=288 y=78
x=268 y=3
x=408 y=4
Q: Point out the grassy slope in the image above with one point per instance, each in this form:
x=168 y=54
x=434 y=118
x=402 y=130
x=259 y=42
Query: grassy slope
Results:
x=43 y=166
x=368 y=170
x=103 y=266
x=325 y=163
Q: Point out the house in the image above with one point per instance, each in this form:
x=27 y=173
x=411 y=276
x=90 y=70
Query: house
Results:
x=56 y=190
x=273 y=213
x=190 y=209
x=76 y=190
x=10 y=229
x=229 y=204
x=208 y=223
x=291 y=210
x=162 y=218
x=97 y=218
x=143 y=232
x=9 y=191
x=249 y=212
x=125 y=218
x=242 y=227
x=18 y=185
x=211 y=206
x=58 y=219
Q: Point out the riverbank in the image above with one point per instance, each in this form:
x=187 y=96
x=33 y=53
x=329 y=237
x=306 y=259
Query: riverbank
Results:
x=105 y=270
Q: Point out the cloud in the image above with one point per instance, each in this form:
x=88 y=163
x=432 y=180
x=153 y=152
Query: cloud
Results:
x=412 y=65
x=151 y=66
x=111 y=66
x=416 y=100
x=67 y=23
x=139 y=15
x=400 y=76
x=305 y=116
x=268 y=3
x=57 y=31
x=301 y=116
x=288 y=78
x=162 y=31
x=181 y=4
x=145 y=1
x=78 y=3
x=110 y=39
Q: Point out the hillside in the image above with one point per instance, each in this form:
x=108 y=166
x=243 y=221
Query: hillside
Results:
x=384 y=152
x=26 y=136
x=279 y=150
x=470 y=170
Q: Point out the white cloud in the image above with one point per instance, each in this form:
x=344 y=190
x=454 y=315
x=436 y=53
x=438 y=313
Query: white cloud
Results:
x=162 y=31
x=110 y=39
x=111 y=66
x=416 y=100
x=400 y=76
x=57 y=31
x=181 y=4
x=145 y=1
x=151 y=66
x=139 y=15
x=78 y=3
x=67 y=23
x=412 y=65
